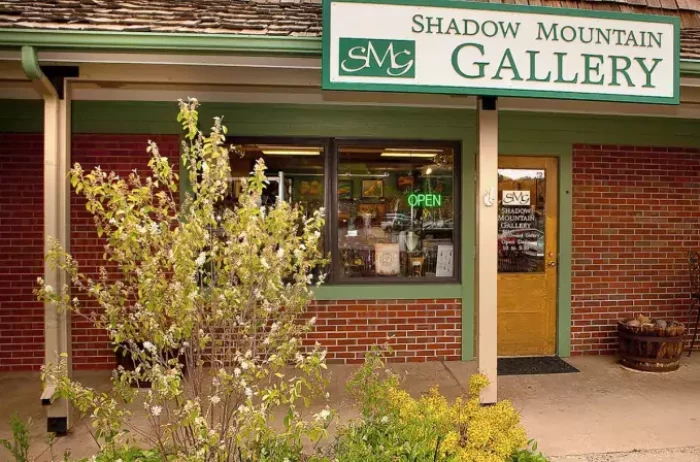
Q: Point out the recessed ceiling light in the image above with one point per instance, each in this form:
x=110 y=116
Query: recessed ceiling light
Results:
x=292 y=152
x=408 y=154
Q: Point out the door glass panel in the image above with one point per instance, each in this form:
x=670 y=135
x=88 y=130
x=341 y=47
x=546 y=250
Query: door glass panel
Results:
x=521 y=220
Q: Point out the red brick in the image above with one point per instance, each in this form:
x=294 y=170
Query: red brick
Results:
x=121 y=154
x=634 y=212
x=416 y=330
x=22 y=248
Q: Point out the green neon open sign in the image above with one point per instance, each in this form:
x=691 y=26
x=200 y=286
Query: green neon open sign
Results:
x=425 y=200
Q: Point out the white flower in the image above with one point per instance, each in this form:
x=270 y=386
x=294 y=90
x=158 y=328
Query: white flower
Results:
x=149 y=346
x=325 y=414
x=48 y=289
x=385 y=419
x=280 y=252
x=264 y=263
x=156 y=410
x=215 y=399
x=237 y=372
x=75 y=300
x=312 y=321
x=201 y=259
x=249 y=392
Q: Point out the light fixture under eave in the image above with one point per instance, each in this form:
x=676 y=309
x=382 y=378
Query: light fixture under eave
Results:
x=292 y=152
x=427 y=155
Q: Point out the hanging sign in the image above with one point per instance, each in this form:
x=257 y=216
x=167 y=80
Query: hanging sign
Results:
x=424 y=200
x=443 y=46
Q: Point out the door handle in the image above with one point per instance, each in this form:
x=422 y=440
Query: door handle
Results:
x=552 y=264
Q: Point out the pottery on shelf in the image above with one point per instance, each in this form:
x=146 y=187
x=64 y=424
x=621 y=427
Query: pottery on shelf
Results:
x=412 y=241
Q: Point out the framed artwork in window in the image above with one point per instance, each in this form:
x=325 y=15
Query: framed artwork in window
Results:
x=387 y=259
x=405 y=182
x=345 y=190
x=310 y=188
x=372 y=189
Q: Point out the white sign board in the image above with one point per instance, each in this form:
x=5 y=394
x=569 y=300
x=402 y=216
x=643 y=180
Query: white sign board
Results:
x=445 y=259
x=515 y=198
x=459 y=47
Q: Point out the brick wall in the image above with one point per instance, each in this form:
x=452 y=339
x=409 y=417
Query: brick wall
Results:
x=22 y=250
x=416 y=330
x=636 y=215
x=121 y=154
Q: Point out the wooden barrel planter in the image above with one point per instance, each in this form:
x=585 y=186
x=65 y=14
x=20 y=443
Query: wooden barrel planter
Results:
x=651 y=347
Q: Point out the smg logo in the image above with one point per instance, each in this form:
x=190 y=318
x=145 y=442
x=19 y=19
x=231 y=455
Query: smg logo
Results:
x=377 y=57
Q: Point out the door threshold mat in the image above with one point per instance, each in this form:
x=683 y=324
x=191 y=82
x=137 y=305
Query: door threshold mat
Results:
x=534 y=365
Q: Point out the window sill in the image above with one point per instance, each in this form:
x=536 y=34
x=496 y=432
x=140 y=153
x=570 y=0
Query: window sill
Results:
x=395 y=291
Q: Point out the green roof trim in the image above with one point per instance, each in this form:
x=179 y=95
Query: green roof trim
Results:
x=690 y=67
x=152 y=41
x=30 y=63
x=186 y=42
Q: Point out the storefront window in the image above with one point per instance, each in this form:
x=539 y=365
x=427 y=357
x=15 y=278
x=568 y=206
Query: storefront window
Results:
x=521 y=220
x=395 y=212
x=393 y=206
x=295 y=174
x=295 y=171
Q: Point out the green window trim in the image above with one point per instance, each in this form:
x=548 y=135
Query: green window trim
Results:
x=332 y=147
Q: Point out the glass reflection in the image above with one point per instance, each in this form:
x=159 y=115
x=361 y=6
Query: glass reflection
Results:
x=396 y=212
x=521 y=220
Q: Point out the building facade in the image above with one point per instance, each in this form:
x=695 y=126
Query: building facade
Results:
x=594 y=204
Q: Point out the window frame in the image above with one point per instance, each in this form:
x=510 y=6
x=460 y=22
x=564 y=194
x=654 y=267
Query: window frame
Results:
x=331 y=148
x=456 y=147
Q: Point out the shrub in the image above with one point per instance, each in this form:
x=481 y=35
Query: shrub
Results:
x=216 y=293
x=18 y=446
x=395 y=426
x=529 y=454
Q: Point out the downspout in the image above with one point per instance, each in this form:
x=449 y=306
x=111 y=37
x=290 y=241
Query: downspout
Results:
x=57 y=341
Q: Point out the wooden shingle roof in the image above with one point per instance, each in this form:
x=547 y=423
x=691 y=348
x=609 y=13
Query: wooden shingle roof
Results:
x=269 y=17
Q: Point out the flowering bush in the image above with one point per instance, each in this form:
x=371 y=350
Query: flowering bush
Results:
x=207 y=304
x=395 y=426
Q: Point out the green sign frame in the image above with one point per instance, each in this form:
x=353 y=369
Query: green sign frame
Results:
x=516 y=93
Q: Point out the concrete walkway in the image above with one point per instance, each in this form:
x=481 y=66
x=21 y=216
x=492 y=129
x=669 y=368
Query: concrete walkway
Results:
x=605 y=413
x=658 y=455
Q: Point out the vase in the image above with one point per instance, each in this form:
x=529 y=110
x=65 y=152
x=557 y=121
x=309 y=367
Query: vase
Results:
x=412 y=241
x=402 y=241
